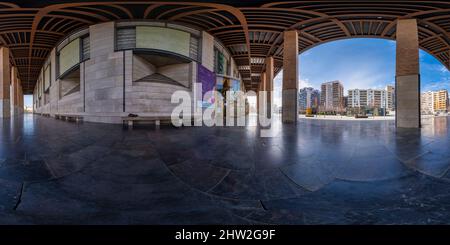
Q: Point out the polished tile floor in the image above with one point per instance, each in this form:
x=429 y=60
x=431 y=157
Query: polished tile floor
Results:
x=315 y=172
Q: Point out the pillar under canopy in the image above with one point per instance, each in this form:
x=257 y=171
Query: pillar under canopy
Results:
x=5 y=78
x=14 y=92
x=290 y=77
x=20 y=99
x=407 y=79
x=261 y=88
x=269 y=84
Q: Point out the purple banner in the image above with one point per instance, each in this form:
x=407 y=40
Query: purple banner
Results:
x=208 y=80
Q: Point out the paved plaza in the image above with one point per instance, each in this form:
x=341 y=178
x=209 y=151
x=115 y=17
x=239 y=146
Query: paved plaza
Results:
x=315 y=172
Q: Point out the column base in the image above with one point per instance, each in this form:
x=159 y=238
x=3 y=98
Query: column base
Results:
x=408 y=101
x=289 y=108
x=5 y=108
x=16 y=111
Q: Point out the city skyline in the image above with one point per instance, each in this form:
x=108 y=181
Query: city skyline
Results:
x=357 y=64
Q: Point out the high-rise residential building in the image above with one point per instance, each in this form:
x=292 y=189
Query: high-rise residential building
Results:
x=432 y=102
x=390 y=98
x=448 y=104
x=367 y=98
x=376 y=98
x=426 y=103
x=308 y=98
x=440 y=100
x=332 y=96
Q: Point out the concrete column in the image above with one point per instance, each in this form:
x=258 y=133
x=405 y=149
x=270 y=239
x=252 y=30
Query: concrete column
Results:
x=290 y=77
x=19 y=98
x=262 y=88
x=407 y=75
x=21 y=104
x=14 y=92
x=5 y=78
x=269 y=84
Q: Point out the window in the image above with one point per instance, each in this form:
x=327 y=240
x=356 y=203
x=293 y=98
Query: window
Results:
x=125 y=38
x=69 y=56
x=85 y=48
x=47 y=77
x=193 y=48
x=220 y=62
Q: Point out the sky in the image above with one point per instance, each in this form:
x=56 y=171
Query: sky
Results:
x=28 y=100
x=360 y=63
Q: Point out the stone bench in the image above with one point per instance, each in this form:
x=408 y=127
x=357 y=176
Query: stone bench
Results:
x=69 y=117
x=157 y=120
x=43 y=114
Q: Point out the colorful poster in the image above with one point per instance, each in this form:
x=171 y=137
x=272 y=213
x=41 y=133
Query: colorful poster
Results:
x=208 y=80
x=219 y=84
x=235 y=85
x=234 y=88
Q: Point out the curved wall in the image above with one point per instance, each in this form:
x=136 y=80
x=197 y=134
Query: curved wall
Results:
x=115 y=68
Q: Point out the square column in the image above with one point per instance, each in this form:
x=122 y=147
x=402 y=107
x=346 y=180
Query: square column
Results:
x=260 y=88
x=20 y=103
x=407 y=79
x=14 y=92
x=19 y=96
x=5 y=78
x=269 y=84
x=290 y=77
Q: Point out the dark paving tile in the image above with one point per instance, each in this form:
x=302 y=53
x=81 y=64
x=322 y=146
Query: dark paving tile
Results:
x=262 y=185
x=340 y=202
x=311 y=175
x=431 y=163
x=385 y=166
x=46 y=203
x=202 y=176
x=26 y=171
x=238 y=185
x=64 y=165
x=9 y=194
x=315 y=172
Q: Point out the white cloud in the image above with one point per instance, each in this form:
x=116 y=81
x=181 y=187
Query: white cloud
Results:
x=303 y=83
x=433 y=86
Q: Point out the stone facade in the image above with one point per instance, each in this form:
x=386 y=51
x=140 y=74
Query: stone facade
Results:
x=114 y=83
x=4 y=83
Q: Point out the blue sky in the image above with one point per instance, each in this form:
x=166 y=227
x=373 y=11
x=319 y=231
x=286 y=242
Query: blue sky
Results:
x=28 y=100
x=361 y=63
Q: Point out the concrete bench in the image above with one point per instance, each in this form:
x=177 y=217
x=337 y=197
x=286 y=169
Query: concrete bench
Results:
x=157 y=120
x=69 y=117
x=129 y=121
